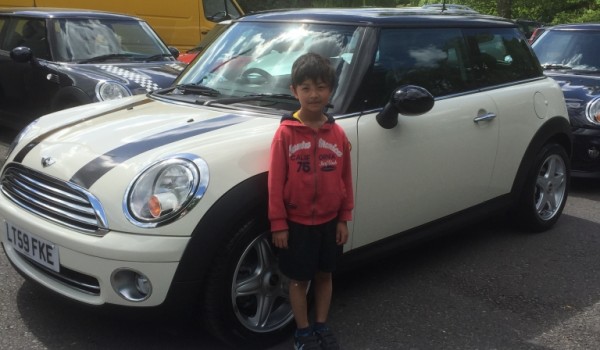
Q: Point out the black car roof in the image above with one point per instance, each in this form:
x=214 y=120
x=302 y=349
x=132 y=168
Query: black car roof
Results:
x=44 y=12
x=381 y=17
x=576 y=26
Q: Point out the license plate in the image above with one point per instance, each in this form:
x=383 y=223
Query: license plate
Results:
x=37 y=249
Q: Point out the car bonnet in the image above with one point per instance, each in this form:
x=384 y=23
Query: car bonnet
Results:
x=129 y=136
x=138 y=77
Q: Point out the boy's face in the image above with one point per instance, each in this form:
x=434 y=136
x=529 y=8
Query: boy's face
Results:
x=313 y=95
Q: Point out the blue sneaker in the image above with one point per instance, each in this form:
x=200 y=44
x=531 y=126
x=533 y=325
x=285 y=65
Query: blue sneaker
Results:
x=327 y=339
x=307 y=342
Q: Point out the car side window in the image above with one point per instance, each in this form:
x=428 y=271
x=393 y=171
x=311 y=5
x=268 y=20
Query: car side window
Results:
x=11 y=38
x=2 y=32
x=31 y=33
x=431 y=58
x=501 y=56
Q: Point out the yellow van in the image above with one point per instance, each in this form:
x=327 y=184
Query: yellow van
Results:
x=181 y=23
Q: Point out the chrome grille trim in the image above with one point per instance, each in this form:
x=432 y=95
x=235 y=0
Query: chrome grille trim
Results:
x=59 y=201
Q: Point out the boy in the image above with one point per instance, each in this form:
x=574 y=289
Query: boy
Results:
x=310 y=197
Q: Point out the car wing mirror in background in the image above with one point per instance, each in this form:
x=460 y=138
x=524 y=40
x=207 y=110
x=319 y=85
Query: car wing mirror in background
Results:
x=173 y=51
x=407 y=100
x=21 y=54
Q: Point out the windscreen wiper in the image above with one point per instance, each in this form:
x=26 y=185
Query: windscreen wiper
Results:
x=252 y=97
x=555 y=66
x=198 y=89
x=109 y=56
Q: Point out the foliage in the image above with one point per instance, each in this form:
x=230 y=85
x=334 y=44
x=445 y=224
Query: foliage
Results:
x=546 y=11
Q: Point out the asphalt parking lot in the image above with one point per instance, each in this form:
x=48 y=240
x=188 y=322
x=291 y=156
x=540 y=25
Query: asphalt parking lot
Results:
x=486 y=287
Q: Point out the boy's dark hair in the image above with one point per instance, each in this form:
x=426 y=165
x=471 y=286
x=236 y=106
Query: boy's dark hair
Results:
x=312 y=66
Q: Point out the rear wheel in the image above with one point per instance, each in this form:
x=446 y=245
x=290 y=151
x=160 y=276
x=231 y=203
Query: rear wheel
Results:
x=546 y=189
x=246 y=301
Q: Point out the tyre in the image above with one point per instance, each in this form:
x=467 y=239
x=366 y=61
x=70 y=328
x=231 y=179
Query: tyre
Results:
x=546 y=189
x=246 y=302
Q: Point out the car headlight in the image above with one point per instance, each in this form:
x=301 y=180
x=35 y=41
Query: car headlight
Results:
x=110 y=90
x=592 y=111
x=166 y=190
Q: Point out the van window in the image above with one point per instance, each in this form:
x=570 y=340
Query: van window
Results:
x=215 y=11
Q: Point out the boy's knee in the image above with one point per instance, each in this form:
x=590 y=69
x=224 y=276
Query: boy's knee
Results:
x=298 y=284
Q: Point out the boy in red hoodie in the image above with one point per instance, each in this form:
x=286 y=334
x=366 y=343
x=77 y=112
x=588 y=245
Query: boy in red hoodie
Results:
x=310 y=197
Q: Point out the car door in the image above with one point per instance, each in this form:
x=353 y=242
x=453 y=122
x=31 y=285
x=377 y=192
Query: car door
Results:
x=427 y=166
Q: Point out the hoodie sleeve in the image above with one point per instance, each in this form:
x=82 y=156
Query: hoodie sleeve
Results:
x=345 y=213
x=277 y=177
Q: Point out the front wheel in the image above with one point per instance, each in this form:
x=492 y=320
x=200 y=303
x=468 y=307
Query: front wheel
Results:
x=546 y=189
x=246 y=300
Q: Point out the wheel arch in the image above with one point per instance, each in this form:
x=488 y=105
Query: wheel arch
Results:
x=69 y=96
x=557 y=130
x=212 y=231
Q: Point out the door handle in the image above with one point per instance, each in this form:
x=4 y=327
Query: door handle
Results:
x=484 y=117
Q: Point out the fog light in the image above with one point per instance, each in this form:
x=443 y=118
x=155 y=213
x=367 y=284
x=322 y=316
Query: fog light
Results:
x=593 y=152
x=131 y=285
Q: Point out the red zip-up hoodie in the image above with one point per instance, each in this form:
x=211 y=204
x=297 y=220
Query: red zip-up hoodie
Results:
x=310 y=177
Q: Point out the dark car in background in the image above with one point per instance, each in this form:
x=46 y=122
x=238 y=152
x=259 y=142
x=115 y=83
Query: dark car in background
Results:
x=528 y=26
x=571 y=55
x=52 y=59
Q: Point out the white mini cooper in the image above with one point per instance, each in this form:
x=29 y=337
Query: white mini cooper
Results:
x=160 y=200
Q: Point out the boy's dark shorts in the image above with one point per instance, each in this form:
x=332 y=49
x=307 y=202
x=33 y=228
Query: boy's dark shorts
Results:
x=310 y=249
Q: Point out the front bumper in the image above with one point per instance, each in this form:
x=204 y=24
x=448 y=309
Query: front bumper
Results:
x=586 y=153
x=87 y=263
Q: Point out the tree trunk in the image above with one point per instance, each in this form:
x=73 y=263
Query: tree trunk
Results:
x=504 y=8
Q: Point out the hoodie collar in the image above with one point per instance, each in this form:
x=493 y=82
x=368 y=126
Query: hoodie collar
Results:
x=291 y=119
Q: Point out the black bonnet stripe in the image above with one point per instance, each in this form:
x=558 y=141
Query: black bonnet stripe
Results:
x=23 y=152
x=96 y=168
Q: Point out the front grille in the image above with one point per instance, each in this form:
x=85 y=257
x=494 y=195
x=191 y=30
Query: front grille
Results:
x=83 y=283
x=58 y=201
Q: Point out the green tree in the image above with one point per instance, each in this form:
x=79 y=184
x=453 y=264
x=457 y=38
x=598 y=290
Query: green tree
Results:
x=505 y=8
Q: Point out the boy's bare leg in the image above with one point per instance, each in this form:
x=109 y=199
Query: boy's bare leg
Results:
x=323 y=290
x=298 y=302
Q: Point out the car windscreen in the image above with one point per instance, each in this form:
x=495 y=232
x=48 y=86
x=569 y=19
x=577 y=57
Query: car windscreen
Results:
x=569 y=49
x=79 y=40
x=253 y=58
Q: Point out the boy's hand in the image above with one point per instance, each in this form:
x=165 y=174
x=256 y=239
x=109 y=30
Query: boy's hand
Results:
x=341 y=236
x=280 y=239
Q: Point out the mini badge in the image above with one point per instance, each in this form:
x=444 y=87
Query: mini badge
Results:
x=47 y=161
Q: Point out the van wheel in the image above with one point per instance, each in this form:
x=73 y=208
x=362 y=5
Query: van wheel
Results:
x=246 y=301
x=546 y=189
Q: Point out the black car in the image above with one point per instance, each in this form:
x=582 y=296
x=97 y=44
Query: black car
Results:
x=570 y=54
x=51 y=59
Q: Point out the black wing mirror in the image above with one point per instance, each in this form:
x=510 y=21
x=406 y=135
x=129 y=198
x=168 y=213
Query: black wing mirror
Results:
x=173 y=51
x=407 y=100
x=21 y=54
